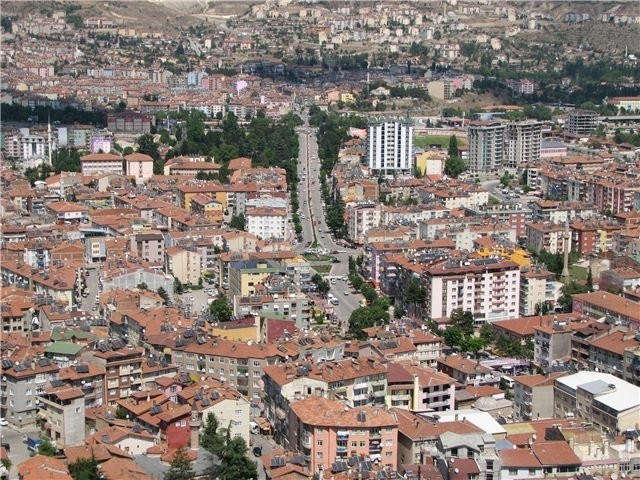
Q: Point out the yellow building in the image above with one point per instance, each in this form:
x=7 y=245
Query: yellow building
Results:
x=431 y=162
x=347 y=97
x=237 y=332
x=517 y=255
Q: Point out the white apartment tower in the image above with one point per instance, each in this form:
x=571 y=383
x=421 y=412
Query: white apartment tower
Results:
x=390 y=147
x=489 y=288
x=523 y=143
x=486 y=146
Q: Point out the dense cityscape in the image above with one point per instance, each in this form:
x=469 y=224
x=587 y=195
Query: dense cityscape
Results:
x=320 y=240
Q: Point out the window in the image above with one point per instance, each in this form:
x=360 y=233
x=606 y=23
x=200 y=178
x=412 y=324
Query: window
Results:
x=29 y=391
x=532 y=471
x=354 y=444
x=239 y=412
x=173 y=389
x=513 y=471
x=362 y=443
x=319 y=443
x=388 y=454
x=320 y=455
x=77 y=409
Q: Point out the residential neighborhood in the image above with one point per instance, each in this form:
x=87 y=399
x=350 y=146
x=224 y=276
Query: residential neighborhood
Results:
x=320 y=240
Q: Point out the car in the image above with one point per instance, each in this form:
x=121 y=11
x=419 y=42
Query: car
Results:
x=257 y=451
x=3 y=422
x=346 y=292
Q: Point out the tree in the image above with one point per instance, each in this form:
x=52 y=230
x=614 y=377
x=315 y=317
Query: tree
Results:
x=474 y=345
x=47 y=448
x=147 y=146
x=237 y=222
x=366 y=317
x=163 y=293
x=463 y=320
x=180 y=468
x=210 y=438
x=234 y=462
x=142 y=286
x=453 y=150
x=568 y=291
x=85 y=469
x=454 y=166
x=487 y=332
x=415 y=294
x=453 y=337
x=589 y=280
x=505 y=179
x=178 y=287
x=221 y=309
x=321 y=283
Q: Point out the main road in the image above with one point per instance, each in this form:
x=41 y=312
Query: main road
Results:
x=314 y=226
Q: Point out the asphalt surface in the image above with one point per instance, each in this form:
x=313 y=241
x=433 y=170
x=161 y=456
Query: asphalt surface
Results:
x=18 y=452
x=310 y=196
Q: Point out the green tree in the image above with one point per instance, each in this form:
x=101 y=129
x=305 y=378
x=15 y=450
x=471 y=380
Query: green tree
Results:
x=47 y=448
x=234 y=463
x=221 y=309
x=180 y=468
x=463 y=320
x=85 y=469
x=415 y=294
x=454 y=166
x=568 y=291
x=487 y=332
x=147 y=146
x=163 y=293
x=237 y=222
x=321 y=283
x=365 y=317
x=178 y=287
x=211 y=438
x=453 y=337
x=474 y=345
x=505 y=179
x=142 y=286
x=453 y=150
x=122 y=413
x=589 y=284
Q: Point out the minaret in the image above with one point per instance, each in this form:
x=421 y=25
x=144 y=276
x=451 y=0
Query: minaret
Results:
x=49 y=139
x=567 y=247
x=194 y=426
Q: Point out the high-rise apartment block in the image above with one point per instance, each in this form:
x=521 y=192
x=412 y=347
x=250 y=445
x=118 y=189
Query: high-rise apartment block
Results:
x=523 y=143
x=494 y=145
x=486 y=146
x=390 y=147
x=582 y=122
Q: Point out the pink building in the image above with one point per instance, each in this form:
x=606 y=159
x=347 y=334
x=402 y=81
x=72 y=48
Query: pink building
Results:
x=139 y=166
x=331 y=433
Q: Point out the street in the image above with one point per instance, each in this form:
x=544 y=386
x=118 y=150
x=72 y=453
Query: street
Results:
x=19 y=452
x=314 y=223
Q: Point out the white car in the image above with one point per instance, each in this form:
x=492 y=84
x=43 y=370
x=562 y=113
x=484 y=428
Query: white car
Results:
x=3 y=422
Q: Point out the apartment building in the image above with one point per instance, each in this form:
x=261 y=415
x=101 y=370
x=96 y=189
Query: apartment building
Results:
x=123 y=370
x=99 y=163
x=357 y=382
x=245 y=275
x=183 y=264
x=332 y=434
x=542 y=458
x=390 y=147
x=62 y=410
x=239 y=364
x=547 y=236
x=604 y=304
x=129 y=122
x=533 y=396
x=21 y=383
x=515 y=216
x=522 y=143
x=486 y=146
x=609 y=403
x=581 y=122
x=467 y=371
x=416 y=388
x=86 y=377
x=148 y=246
x=631 y=361
x=552 y=341
x=285 y=305
x=538 y=286
x=139 y=166
x=267 y=223
x=490 y=288
x=361 y=219
x=607 y=351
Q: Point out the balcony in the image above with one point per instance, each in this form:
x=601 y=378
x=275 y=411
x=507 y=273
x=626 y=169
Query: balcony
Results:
x=342 y=434
x=375 y=435
x=306 y=441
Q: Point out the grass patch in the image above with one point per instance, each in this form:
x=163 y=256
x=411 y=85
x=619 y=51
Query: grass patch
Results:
x=578 y=273
x=322 y=268
x=428 y=141
x=317 y=258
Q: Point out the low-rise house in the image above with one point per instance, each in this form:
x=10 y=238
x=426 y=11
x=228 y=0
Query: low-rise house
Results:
x=467 y=371
x=533 y=396
x=134 y=440
x=417 y=388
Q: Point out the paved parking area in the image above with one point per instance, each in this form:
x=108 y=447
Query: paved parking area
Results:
x=18 y=452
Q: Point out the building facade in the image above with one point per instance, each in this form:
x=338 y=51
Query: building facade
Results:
x=390 y=147
x=486 y=146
